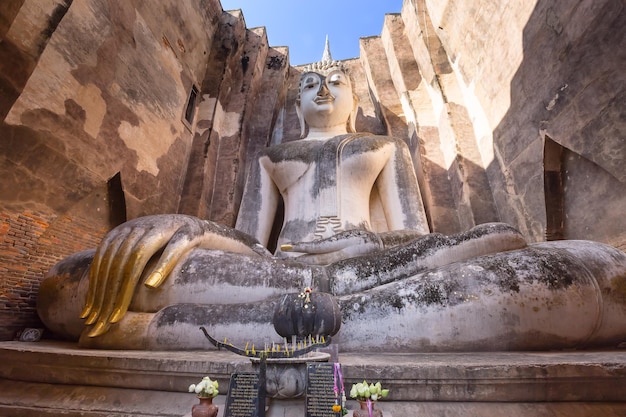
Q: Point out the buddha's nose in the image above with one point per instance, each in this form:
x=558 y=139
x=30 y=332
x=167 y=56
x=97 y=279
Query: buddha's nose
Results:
x=323 y=90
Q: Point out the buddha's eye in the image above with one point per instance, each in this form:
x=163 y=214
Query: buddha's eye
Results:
x=336 y=78
x=310 y=82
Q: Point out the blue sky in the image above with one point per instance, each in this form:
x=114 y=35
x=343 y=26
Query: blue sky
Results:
x=303 y=25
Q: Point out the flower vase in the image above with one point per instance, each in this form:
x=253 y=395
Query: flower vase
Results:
x=365 y=410
x=205 y=408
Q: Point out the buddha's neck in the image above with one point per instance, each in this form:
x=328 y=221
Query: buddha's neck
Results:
x=325 y=132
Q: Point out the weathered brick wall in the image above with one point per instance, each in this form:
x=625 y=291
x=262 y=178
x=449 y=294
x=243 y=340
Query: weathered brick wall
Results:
x=30 y=243
x=97 y=90
x=90 y=90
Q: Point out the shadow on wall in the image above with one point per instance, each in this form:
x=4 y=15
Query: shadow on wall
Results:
x=571 y=87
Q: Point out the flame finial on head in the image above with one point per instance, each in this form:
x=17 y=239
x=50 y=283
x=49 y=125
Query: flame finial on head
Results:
x=326 y=63
x=326 y=56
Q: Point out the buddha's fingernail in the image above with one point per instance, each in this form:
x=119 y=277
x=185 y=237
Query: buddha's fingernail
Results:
x=286 y=247
x=92 y=318
x=85 y=312
x=154 y=280
x=98 y=329
x=117 y=315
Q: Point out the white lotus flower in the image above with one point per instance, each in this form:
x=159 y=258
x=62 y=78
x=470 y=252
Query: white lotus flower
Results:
x=205 y=388
x=363 y=391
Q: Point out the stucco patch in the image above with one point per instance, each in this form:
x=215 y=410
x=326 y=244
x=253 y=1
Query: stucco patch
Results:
x=150 y=140
x=229 y=122
x=90 y=98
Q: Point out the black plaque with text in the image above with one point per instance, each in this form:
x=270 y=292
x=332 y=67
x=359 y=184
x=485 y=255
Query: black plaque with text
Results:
x=320 y=394
x=242 y=395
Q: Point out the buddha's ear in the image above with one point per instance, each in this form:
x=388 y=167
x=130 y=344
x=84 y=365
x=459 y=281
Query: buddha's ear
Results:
x=351 y=126
x=301 y=120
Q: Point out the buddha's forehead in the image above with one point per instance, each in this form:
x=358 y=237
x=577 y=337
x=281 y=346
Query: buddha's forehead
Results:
x=325 y=72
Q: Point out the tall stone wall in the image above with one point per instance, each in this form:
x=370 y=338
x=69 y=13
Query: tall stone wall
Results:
x=512 y=112
x=544 y=86
x=94 y=99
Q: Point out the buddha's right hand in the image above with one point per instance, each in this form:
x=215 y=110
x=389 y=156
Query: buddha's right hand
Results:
x=343 y=245
x=123 y=254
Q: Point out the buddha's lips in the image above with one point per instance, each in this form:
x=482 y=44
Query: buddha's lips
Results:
x=323 y=100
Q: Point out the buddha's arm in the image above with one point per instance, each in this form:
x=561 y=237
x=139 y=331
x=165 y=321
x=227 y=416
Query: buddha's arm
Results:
x=123 y=254
x=399 y=192
x=259 y=203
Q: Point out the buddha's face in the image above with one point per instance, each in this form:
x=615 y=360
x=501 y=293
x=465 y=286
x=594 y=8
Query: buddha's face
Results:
x=326 y=100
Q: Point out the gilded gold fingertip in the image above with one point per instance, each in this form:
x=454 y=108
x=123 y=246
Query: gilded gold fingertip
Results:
x=98 y=329
x=154 y=280
x=286 y=247
x=85 y=312
x=117 y=315
x=92 y=318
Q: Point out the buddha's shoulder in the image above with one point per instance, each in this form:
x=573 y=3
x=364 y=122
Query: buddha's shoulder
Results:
x=371 y=144
x=369 y=139
x=294 y=150
x=307 y=150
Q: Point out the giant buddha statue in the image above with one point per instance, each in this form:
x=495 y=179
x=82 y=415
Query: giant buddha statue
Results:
x=354 y=226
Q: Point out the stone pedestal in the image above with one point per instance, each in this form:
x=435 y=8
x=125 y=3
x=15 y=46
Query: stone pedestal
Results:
x=58 y=378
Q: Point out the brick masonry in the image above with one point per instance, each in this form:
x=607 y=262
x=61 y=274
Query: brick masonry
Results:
x=30 y=243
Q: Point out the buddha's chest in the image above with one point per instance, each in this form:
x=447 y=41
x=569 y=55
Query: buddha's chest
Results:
x=333 y=163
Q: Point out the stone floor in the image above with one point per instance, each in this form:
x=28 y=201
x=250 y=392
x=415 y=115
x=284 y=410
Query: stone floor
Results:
x=58 y=379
